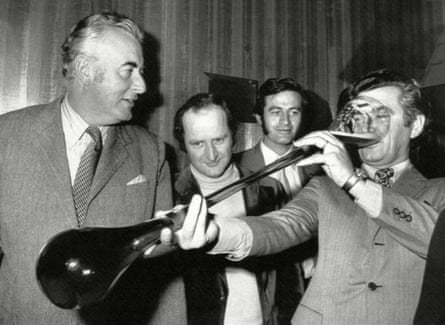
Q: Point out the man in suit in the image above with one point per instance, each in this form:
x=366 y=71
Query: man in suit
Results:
x=282 y=111
x=217 y=291
x=41 y=153
x=373 y=233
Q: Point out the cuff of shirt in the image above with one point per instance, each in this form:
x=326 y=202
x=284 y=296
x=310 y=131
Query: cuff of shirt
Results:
x=235 y=239
x=369 y=196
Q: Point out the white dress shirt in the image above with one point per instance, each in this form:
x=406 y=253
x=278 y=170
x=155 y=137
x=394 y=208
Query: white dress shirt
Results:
x=289 y=176
x=76 y=139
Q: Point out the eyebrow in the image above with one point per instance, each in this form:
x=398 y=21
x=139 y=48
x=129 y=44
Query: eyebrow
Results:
x=130 y=63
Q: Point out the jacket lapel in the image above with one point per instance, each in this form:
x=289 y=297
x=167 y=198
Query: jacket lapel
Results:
x=113 y=156
x=410 y=183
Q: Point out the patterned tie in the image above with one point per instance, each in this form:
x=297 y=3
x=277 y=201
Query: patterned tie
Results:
x=85 y=174
x=382 y=176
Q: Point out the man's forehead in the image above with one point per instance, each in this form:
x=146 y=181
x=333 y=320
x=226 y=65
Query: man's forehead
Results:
x=388 y=96
x=209 y=119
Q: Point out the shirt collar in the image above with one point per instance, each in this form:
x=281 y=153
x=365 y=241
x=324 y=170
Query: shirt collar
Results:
x=398 y=169
x=74 y=125
x=269 y=154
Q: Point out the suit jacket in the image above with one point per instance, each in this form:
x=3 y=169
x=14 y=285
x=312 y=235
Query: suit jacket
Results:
x=36 y=203
x=432 y=299
x=369 y=270
x=205 y=279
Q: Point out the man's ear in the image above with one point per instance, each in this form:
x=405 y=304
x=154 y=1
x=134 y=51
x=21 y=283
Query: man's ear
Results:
x=417 y=126
x=83 y=69
x=258 y=119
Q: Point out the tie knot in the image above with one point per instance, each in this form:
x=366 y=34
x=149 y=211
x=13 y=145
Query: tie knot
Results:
x=94 y=132
x=382 y=176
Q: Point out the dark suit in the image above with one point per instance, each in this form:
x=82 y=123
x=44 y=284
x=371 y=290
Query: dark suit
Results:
x=431 y=308
x=369 y=270
x=36 y=203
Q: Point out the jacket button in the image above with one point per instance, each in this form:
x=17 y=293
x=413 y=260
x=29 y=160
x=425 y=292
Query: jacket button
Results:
x=373 y=286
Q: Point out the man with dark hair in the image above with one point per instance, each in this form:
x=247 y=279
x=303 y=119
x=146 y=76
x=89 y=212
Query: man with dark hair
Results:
x=71 y=163
x=220 y=292
x=282 y=111
x=373 y=229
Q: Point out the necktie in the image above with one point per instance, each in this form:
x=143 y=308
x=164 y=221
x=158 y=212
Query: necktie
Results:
x=85 y=174
x=382 y=176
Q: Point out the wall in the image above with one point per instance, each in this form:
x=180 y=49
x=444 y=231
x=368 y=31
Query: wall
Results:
x=321 y=43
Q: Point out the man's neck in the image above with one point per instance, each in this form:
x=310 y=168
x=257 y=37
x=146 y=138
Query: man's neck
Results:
x=278 y=148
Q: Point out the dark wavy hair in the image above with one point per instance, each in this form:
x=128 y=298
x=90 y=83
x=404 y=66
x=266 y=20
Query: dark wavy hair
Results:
x=274 y=86
x=196 y=103
x=93 y=27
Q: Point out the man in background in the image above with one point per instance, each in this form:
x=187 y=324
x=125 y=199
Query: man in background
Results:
x=373 y=232
x=282 y=109
x=49 y=154
x=220 y=292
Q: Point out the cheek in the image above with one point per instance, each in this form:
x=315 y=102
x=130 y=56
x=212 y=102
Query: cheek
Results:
x=226 y=150
x=296 y=121
x=194 y=154
x=270 y=122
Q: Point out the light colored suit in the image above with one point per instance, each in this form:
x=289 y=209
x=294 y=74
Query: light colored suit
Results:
x=36 y=203
x=369 y=271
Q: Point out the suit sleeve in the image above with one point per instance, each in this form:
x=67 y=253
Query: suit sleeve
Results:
x=410 y=221
x=295 y=223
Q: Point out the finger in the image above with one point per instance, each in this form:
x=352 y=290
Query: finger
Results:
x=167 y=236
x=192 y=216
x=201 y=224
x=212 y=232
x=318 y=139
x=314 y=159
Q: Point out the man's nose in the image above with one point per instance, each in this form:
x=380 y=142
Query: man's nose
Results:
x=211 y=152
x=139 y=86
x=284 y=119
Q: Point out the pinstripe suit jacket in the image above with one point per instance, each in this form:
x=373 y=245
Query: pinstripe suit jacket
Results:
x=36 y=203
x=369 y=271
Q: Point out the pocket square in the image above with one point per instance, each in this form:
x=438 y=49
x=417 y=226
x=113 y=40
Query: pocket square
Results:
x=138 y=179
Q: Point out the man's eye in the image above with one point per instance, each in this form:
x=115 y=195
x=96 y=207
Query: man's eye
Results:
x=294 y=112
x=126 y=73
x=218 y=141
x=197 y=144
